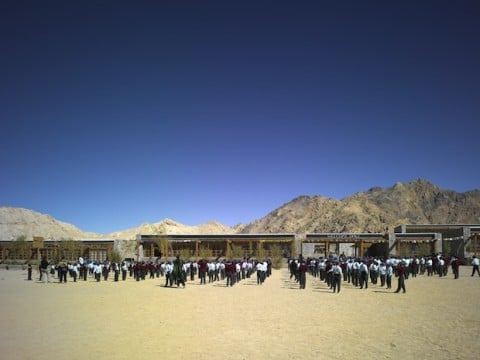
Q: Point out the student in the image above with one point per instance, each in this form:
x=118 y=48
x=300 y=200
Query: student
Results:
x=44 y=275
x=475 y=265
x=336 y=277
x=401 y=277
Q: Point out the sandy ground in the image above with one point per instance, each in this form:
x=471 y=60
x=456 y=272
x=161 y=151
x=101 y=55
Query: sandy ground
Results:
x=438 y=318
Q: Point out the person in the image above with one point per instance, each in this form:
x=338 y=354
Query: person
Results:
x=116 y=269
x=337 y=277
x=389 y=273
x=202 y=271
x=73 y=269
x=430 y=266
x=363 y=275
x=440 y=266
x=62 y=271
x=382 y=270
x=124 y=271
x=29 y=271
x=455 y=263
x=97 y=270
x=302 y=269
x=178 y=271
x=475 y=265
x=401 y=277
x=168 y=274
x=44 y=275
x=260 y=275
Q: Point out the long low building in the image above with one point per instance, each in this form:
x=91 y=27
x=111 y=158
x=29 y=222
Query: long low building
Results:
x=462 y=240
x=216 y=245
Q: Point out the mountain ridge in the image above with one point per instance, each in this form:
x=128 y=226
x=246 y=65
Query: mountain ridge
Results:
x=374 y=210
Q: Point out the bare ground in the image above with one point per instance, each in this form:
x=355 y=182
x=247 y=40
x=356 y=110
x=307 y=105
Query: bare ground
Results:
x=438 y=318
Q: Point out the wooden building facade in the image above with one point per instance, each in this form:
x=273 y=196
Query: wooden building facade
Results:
x=216 y=245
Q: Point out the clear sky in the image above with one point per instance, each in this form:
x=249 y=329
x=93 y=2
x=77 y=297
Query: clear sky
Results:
x=115 y=113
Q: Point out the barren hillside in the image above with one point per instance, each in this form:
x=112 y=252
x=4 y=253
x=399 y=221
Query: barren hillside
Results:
x=375 y=210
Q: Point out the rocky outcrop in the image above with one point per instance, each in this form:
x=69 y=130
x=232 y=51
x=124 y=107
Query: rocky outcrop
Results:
x=375 y=210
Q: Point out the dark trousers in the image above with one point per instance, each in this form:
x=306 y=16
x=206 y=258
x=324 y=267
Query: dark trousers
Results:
x=231 y=279
x=63 y=276
x=429 y=271
x=356 y=277
x=168 y=279
x=336 y=282
x=303 y=280
x=180 y=280
x=475 y=268
x=401 y=284
x=363 y=280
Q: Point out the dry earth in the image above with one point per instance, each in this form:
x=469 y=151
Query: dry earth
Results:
x=438 y=318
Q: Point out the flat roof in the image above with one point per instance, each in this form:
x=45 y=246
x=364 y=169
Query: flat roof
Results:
x=237 y=237
x=437 y=227
x=345 y=237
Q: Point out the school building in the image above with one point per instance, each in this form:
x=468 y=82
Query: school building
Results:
x=462 y=240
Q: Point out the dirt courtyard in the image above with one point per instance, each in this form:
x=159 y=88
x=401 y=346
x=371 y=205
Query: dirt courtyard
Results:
x=438 y=318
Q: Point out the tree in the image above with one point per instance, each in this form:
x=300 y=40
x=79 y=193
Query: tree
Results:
x=69 y=249
x=115 y=257
x=19 y=248
x=260 y=250
x=164 y=247
x=236 y=251
x=204 y=252
x=277 y=256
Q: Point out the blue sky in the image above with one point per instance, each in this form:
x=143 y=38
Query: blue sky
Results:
x=115 y=113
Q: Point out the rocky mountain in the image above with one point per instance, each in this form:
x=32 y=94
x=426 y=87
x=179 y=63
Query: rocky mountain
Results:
x=15 y=222
x=168 y=226
x=376 y=210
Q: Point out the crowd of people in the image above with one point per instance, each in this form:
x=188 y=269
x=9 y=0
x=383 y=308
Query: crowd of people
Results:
x=360 y=272
x=176 y=272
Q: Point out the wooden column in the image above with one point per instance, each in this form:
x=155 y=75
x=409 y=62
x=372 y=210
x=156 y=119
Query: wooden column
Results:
x=475 y=239
x=197 y=243
x=227 y=250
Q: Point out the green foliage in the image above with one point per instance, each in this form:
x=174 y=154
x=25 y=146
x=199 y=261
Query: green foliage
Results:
x=115 y=256
x=447 y=247
x=205 y=252
x=69 y=249
x=165 y=247
x=185 y=254
x=20 y=249
x=424 y=249
x=261 y=253
x=236 y=252
x=276 y=256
